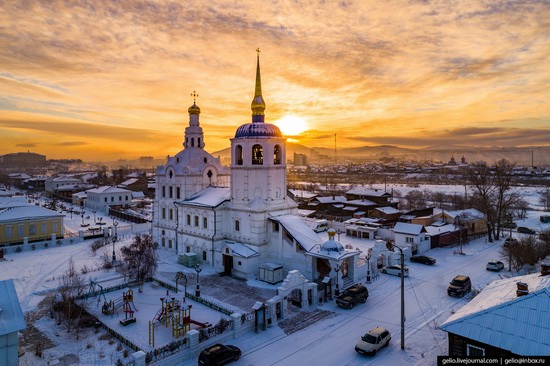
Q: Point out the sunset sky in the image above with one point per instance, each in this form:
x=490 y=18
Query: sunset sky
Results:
x=112 y=79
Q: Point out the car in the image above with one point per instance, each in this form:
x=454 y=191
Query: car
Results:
x=352 y=296
x=372 y=341
x=509 y=241
x=509 y=225
x=459 y=286
x=219 y=354
x=395 y=269
x=525 y=230
x=425 y=259
x=494 y=265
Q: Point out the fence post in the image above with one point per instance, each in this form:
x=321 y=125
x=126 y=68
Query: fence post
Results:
x=193 y=337
x=236 y=323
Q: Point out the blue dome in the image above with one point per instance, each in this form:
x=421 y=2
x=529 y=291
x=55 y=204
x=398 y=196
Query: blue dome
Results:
x=258 y=130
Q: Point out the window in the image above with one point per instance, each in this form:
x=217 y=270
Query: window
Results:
x=198 y=142
x=163 y=242
x=474 y=351
x=178 y=192
x=43 y=228
x=188 y=249
x=188 y=220
x=257 y=155
x=409 y=240
x=237 y=225
x=164 y=213
x=196 y=221
x=277 y=155
x=171 y=215
x=20 y=230
x=126 y=198
x=163 y=191
x=170 y=243
x=9 y=232
x=112 y=199
x=238 y=155
x=32 y=229
x=119 y=198
x=170 y=191
x=276 y=227
x=204 y=255
x=105 y=199
x=205 y=222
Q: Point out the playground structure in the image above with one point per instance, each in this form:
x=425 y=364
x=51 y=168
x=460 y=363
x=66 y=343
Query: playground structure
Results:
x=126 y=301
x=177 y=314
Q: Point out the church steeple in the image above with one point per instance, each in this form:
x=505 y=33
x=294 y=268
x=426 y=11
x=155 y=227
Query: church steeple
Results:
x=258 y=104
x=194 y=137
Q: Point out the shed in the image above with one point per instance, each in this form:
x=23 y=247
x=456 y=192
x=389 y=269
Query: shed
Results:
x=271 y=272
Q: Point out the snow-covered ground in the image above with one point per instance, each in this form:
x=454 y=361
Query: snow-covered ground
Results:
x=328 y=342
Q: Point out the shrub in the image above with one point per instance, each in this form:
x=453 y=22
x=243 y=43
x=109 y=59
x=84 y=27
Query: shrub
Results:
x=119 y=347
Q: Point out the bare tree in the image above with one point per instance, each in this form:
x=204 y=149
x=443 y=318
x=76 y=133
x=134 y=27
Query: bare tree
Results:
x=140 y=257
x=528 y=250
x=71 y=285
x=545 y=199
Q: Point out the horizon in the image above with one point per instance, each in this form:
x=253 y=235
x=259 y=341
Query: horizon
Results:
x=109 y=81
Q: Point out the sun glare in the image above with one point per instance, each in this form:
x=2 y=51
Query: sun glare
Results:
x=291 y=125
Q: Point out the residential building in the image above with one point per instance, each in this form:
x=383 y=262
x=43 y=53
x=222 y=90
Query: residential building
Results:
x=103 y=198
x=12 y=322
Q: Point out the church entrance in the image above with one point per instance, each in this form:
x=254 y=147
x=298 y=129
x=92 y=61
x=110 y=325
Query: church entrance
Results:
x=227 y=264
x=296 y=297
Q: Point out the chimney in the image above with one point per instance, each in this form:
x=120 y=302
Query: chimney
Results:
x=545 y=268
x=523 y=289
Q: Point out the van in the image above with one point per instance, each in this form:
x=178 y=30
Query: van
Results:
x=320 y=226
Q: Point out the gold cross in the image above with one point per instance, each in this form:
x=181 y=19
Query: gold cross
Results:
x=194 y=95
x=258 y=50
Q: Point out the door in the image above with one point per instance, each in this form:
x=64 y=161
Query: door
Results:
x=227 y=264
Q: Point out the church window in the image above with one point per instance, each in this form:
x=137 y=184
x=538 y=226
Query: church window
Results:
x=277 y=155
x=188 y=249
x=170 y=243
x=188 y=220
x=238 y=155
x=257 y=155
x=196 y=221
x=178 y=192
x=204 y=255
x=226 y=250
x=237 y=225
x=192 y=142
x=198 y=142
x=163 y=191
x=205 y=222
x=171 y=215
x=163 y=213
x=170 y=191
x=205 y=160
x=163 y=242
x=186 y=141
x=276 y=227
x=171 y=174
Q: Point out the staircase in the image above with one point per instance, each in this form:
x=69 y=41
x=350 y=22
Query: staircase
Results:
x=347 y=282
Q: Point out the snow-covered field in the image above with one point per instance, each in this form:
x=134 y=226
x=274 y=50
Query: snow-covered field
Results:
x=327 y=342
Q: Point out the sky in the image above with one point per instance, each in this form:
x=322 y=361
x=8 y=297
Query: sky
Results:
x=101 y=80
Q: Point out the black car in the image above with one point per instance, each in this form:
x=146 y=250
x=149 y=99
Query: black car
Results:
x=459 y=286
x=353 y=295
x=219 y=354
x=425 y=259
x=526 y=230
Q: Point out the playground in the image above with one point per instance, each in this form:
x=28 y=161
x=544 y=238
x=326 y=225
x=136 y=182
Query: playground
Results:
x=153 y=317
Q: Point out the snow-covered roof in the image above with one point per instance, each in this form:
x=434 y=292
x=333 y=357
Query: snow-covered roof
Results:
x=368 y=192
x=241 y=250
x=128 y=182
x=302 y=194
x=405 y=228
x=361 y=203
x=388 y=210
x=300 y=230
x=210 y=196
x=138 y=194
x=17 y=210
x=82 y=194
x=331 y=199
x=440 y=229
x=11 y=316
x=469 y=213
x=108 y=189
x=6 y=194
x=350 y=208
x=498 y=317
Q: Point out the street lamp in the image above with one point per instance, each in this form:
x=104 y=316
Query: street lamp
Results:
x=510 y=249
x=367 y=257
x=115 y=238
x=337 y=290
x=182 y=276
x=82 y=215
x=94 y=211
x=198 y=269
x=391 y=246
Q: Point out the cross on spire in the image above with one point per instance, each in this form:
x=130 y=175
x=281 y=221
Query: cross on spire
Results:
x=258 y=51
x=195 y=96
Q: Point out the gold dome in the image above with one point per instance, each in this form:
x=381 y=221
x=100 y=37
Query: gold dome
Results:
x=194 y=109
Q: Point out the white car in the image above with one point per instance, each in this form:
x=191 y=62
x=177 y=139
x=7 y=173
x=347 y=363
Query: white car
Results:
x=371 y=342
x=395 y=270
x=495 y=265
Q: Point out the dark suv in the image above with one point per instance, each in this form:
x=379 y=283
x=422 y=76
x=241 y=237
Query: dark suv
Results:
x=526 y=230
x=352 y=296
x=459 y=286
x=219 y=354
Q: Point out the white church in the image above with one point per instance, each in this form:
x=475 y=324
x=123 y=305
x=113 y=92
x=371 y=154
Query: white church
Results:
x=241 y=219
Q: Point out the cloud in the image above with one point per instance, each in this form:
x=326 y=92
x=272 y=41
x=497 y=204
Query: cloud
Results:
x=72 y=143
x=27 y=145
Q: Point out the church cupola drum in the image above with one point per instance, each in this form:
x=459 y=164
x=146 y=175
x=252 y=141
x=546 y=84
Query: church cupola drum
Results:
x=258 y=157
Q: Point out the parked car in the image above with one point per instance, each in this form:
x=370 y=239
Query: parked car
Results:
x=371 y=342
x=352 y=296
x=395 y=269
x=459 y=286
x=494 y=265
x=219 y=354
x=425 y=259
x=526 y=230
x=508 y=225
x=320 y=226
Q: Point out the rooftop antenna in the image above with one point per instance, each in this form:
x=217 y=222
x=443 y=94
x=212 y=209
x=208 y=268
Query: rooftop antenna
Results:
x=335 y=151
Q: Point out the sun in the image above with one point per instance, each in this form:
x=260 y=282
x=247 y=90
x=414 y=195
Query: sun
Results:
x=291 y=125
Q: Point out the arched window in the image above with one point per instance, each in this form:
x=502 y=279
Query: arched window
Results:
x=192 y=142
x=277 y=155
x=238 y=155
x=257 y=155
x=198 y=142
x=237 y=225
